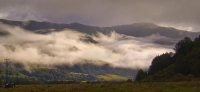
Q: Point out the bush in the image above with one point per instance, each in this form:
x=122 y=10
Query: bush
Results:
x=129 y=80
x=189 y=77
x=178 y=77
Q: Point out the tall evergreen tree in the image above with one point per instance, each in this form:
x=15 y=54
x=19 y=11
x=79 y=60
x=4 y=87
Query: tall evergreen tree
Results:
x=140 y=75
x=183 y=47
x=160 y=62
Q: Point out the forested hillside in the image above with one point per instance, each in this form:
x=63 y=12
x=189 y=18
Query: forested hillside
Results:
x=17 y=73
x=183 y=65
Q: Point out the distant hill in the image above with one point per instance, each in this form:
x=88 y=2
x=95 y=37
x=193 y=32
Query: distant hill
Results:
x=147 y=29
x=136 y=29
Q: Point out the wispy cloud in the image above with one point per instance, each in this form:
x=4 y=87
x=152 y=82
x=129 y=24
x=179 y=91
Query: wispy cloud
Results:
x=68 y=48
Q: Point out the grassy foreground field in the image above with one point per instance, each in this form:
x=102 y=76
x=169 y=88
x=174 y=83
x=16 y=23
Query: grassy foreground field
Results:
x=112 y=87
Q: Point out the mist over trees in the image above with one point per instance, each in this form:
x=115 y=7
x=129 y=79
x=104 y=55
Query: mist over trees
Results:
x=132 y=39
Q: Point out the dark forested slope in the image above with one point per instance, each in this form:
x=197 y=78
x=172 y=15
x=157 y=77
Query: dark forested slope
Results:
x=183 y=65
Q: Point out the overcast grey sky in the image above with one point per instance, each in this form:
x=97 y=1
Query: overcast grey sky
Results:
x=183 y=14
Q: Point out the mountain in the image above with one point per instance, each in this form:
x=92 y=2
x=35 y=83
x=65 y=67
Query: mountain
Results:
x=136 y=29
x=41 y=27
x=147 y=29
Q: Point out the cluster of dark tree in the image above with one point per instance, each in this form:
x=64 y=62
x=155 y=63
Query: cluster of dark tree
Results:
x=59 y=74
x=42 y=76
x=18 y=79
x=182 y=65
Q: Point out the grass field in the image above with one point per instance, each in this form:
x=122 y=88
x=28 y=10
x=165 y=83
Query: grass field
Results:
x=110 y=77
x=111 y=87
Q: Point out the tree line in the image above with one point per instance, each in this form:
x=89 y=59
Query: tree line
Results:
x=182 y=65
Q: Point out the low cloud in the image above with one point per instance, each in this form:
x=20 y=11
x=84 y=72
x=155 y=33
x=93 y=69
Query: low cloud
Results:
x=68 y=48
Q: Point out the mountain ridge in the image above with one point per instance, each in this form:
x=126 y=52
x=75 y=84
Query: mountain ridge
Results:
x=135 y=29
